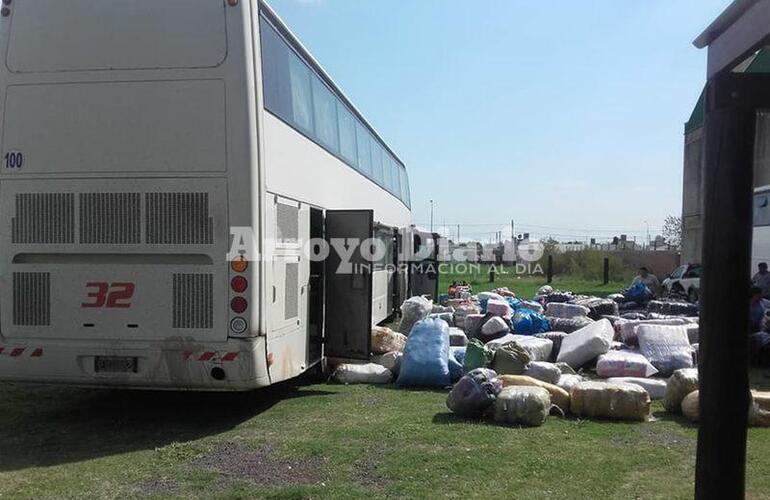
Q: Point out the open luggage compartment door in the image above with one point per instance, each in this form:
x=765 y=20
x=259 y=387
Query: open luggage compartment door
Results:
x=347 y=325
x=423 y=270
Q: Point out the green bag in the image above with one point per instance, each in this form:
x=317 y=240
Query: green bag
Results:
x=477 y=355
x=510 y=359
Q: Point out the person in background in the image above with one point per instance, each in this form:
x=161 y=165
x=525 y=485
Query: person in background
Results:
x=757 y=311
x=648 y=279
x=762 y=280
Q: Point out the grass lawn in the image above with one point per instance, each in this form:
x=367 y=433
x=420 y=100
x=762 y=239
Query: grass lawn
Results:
x=331 y=441
x=526 y=286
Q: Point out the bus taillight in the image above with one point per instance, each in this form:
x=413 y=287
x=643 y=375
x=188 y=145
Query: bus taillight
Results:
x=239 y=284
x=239 y=265
x=239 y=305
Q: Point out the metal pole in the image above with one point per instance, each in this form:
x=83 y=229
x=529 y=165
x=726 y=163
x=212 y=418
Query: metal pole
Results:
x=606 y=270
x=727 y=233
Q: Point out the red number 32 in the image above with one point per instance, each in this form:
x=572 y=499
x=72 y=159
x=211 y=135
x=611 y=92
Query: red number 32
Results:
x=115 y=295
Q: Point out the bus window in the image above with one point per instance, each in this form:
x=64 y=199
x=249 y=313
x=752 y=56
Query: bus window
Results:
x=364 y=149
x=347 y=126
x=325 y=115
x=377 y=161
x=301 y=97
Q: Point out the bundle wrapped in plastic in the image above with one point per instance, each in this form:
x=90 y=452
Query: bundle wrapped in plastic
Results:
x=461 y=314
x=413 y=309
x=758 y=416
x=624 y=364
x=597 y=307
x=457 y=337
x=537 y=348
x=559 y=396
x=370 y=373
x=565 y=368
x=531 y=305
x=426 y=355
x=472 y=324
x=693 y=333
x=386 y=340
x=672 y=308
x=487 y=296
x=556 y=339
x=390 y=360
x=541 y=370
x=566 y=310
x=477 y=355
x=586 y=344
x=627 y=327
x=439 y=309
x=667 y=347
x=474 y=393
x=569 y=380
x=494 y=326
x=522 y=405
x=499 y=308
x=448 y=317
x=528 y=322
x=679 y=385
x=616 y=401
x=568 y=325
x=655 y=387
x=510 y=359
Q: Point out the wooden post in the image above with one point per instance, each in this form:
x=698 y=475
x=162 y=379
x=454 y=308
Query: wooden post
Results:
x=549 y=271
x=492 y=274
x=727 y=234
x=606 y=270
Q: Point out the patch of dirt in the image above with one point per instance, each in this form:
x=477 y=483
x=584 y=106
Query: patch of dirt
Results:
x=366 y=472
x=260 y=466
x=157 y=486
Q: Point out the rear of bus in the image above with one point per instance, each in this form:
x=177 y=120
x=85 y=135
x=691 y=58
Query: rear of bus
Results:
x=128 y=146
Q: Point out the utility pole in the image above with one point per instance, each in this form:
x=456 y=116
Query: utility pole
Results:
x=431 y=216
x=458 y=233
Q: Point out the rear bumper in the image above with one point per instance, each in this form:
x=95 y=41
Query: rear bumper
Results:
x=173 y=366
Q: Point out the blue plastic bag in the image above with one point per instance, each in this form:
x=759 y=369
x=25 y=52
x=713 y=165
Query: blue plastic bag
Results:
x=455 y=369
x=426 y=355
x=528 y=322
x=638 y=292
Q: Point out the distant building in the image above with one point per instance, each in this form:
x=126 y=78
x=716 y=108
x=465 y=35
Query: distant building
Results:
x=693 y=187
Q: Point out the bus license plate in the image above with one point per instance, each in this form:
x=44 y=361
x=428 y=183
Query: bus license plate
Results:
x=115 y=364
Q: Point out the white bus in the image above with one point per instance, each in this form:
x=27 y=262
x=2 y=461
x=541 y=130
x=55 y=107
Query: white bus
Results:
x=135 y=135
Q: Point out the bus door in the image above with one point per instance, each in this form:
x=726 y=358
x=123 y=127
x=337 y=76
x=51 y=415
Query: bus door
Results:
x=348 y=315
x=423 y=266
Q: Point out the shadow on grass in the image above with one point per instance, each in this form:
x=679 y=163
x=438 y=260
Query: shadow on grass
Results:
x=44 y=426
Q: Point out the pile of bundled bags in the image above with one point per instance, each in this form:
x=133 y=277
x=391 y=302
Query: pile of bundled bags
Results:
x=518 y=361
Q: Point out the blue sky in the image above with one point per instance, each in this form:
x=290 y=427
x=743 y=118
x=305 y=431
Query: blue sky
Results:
x=566 y=116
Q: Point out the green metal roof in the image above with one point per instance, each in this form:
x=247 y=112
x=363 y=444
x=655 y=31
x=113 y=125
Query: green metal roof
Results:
x=760 y=64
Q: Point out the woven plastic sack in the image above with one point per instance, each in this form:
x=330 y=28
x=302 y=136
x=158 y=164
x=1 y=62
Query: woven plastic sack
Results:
x=522 y=405
x=541 y=370
x=586 y=344
x=624 y=364
x=615 y=401
x=564 y=310
x=598 y=307
x=667 y=347
x=568 y=325
x=413 y=310
x=461 y=314
x=499 y=308
x=426 y=355
x=494 y=326
x=474 y=393
x=679 y=385
x=477 y=355
x=386 y=340
x=672 y=308
x=559 y=396
x=655 y=387
x=510 y=359
x=529 y=322
x=472 y=324
x=538 y=349
x=362 y=374
x=390 y=360
x=457 y=337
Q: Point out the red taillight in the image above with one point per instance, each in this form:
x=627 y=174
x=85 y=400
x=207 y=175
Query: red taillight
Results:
x=239 y=284
x=239 y=305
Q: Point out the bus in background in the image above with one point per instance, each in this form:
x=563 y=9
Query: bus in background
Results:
x=136 y=137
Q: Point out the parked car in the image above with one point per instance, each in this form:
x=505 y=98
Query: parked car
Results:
x=684 y=280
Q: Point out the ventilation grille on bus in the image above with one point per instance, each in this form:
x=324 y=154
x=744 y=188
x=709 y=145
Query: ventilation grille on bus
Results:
x=193 y=298
x=44 y=218
x=110 y=218
x=292 y=289
x=31 y=299
x=287 y=218
x=179 y=219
